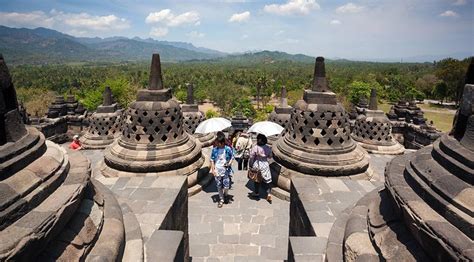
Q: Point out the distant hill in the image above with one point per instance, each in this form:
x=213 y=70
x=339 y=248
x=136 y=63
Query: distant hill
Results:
x=266 y=57
x=46 y=46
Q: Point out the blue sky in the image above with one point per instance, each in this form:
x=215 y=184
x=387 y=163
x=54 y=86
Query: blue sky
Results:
x=354 y=29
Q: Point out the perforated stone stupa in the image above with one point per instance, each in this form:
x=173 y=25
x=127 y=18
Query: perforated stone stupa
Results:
x=50 y=209
x=104 y=125
x=373 y=130
x=319 y=140
x=153 y=140
x=425 y=212
x=282 y=113
x=192 y=117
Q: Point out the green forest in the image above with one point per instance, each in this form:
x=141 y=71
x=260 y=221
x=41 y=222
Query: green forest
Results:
x=233 y=85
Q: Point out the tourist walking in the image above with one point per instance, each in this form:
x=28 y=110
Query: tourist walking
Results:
x=221 y=160
x=259 y=156
x=243 y=145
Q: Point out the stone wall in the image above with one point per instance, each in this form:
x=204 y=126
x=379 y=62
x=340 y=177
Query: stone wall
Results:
x=413 y=136
x=315 y=204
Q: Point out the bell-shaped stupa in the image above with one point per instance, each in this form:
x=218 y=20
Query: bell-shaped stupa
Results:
x=104 y=125
x=319 y=141
x=153 y=140
x=193 y=117
x=282 y=113
x=50 y=208
x=425 y=211
x=373 y=130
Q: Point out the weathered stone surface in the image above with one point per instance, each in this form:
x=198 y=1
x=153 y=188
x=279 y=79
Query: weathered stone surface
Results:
x=373 y=131
x=153 y=139
x=192 y=117
x=425 y=211
x=318 y=141
x=105 y=125
x=47 y=211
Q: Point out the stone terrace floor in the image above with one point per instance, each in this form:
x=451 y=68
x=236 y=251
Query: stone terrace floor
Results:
x=245 y=229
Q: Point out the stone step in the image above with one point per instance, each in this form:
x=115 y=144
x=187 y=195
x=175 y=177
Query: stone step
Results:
x=356 y=244
x=387 y=232
x=111 y=242
x=443 y=192
x=133 y=235
x=27 y=188
x=80 y=233
x=451 y=147
x=437 y=236
x=457 y=165
x=26 y=238
x=15 y=156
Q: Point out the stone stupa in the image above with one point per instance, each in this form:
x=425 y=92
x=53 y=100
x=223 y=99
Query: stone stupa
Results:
x=319 y=141
x=425 y=211
x=50 y=208
x=57 y=108
x=193 y=117
x=282 y=113
x=153 y=140
x=104 y=125
x=373 y=130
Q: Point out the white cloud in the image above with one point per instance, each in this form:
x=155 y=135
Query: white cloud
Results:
x=158 y=31
x=240 y=17
x=167 y=17
x=335 y=22
x=90 y=22
x=449 y=13
x=349 y=8
x=279 y=33
x=31 y=19
x=292 y=41
x=195 y=34
x=292 y=7
x=460 y=2
x=74 y=22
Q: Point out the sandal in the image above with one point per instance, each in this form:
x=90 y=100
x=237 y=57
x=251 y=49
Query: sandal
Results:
x=269 y=199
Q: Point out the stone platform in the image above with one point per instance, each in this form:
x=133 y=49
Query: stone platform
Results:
x=245 y=230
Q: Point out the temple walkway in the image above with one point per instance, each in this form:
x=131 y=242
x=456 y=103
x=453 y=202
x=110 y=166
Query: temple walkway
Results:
x=243 y=230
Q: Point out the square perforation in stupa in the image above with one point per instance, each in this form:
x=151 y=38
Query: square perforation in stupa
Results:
x=320 y=128
x=106 y=125
x=154 y=127
x=373 y=131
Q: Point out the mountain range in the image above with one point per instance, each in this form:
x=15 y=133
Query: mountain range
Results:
x=47 y=46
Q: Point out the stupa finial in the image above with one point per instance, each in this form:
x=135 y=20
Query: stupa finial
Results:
x=156 y=80
x=373 y=100
x=107 y=96
x=190 y=96
x=319 y=79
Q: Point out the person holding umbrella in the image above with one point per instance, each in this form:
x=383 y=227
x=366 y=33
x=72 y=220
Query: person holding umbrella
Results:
x=221 y=160
x=259 y=156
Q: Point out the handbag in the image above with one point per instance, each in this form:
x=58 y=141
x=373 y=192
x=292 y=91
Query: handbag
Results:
x=255 y=175
x=246 y=154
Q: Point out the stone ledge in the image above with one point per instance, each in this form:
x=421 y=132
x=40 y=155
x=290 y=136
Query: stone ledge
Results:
x=166 y=245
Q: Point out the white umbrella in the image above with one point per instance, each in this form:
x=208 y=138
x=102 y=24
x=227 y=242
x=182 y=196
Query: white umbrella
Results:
x=266 y=128
x=212 y=125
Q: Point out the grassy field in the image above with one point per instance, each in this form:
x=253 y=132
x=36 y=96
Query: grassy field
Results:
x=442 y=118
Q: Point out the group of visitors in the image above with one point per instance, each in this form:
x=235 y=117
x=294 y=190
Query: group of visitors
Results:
x=248 y=157
x=239 y=147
